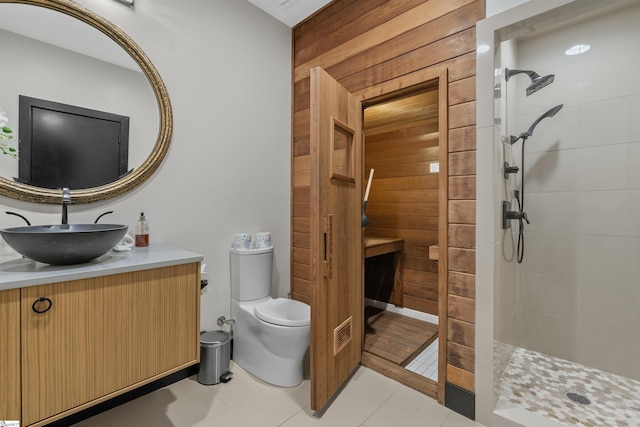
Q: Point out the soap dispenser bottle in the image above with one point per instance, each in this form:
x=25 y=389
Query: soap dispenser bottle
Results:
x=142 y=232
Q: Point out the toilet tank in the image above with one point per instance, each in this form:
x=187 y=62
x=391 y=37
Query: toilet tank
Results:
x=251 y=271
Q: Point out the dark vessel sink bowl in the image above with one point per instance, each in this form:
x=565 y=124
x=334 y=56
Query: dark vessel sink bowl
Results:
x=64 y=244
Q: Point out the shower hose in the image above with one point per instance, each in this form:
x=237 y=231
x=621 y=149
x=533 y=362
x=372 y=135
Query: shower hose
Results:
x=520 y=199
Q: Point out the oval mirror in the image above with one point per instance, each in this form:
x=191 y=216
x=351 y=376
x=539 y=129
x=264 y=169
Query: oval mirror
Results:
x=58 y=53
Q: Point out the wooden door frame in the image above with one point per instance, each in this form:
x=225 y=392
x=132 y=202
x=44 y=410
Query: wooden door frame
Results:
x=431 y=77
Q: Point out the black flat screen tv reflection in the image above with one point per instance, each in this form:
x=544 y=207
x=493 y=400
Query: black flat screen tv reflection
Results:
x=64 y=145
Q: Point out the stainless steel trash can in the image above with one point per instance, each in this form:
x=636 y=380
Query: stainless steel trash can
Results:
x=215 y=352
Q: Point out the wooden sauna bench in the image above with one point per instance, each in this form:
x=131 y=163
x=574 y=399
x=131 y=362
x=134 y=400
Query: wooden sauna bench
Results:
x=374 y=246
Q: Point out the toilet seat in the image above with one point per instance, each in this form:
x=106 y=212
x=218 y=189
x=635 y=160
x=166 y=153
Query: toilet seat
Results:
x=283 y=312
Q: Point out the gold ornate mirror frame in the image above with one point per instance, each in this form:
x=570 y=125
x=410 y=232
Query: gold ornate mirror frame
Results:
x=29 y=193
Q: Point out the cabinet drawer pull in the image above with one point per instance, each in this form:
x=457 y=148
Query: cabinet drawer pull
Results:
x=42 y=299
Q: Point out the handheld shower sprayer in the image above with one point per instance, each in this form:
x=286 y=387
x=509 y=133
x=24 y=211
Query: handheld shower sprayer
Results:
x=525 y=135
x=520 y=214
x=537 y=82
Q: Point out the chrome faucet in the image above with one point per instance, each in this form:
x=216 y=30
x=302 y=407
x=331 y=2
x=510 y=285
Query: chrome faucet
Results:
x=66 y=199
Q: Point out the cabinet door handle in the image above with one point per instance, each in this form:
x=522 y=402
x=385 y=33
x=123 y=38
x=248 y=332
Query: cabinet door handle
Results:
x=35 y=305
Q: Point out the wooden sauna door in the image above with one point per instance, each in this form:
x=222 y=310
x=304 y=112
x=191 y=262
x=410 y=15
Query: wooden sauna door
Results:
x=337 y=304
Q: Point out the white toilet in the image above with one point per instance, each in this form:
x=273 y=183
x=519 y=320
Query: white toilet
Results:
x=270 y=336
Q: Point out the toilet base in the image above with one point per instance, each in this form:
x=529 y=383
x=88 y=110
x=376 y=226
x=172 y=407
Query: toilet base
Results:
x=277 y=377
x=273 y=353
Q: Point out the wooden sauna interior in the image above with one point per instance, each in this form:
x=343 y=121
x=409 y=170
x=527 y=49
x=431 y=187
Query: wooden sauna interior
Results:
x=402 y=146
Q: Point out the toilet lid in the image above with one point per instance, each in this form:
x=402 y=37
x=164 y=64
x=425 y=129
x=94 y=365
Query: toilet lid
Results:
x=283 y=312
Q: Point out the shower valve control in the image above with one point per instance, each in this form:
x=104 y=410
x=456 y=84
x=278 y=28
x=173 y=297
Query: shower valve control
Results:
x=509 y=170
x=508 y=215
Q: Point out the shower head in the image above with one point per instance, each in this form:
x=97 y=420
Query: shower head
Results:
x=537 y=82
x=524 y=135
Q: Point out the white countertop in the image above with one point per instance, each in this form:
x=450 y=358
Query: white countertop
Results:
x=23 y=272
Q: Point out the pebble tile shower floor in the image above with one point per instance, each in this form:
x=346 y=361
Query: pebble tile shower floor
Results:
x=540 y=383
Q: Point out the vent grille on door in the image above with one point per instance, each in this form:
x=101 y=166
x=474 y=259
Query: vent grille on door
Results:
x=342 y=335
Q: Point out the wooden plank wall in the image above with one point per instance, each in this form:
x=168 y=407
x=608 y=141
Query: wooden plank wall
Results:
x=373 y=47
x=401 y=140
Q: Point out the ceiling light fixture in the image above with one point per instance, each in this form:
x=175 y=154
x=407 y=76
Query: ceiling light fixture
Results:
x=127 y=2
x=578 y=49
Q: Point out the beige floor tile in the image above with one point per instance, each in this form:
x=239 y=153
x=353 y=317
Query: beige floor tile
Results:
x=153 y=401
x=350 y=409
x=267 y=408
x=191 y=409
x=373 y=385
x=456 y=420
x=368 y=400
x=408 y=408
x=174 y=411
x=150 y=418
x=242 y=386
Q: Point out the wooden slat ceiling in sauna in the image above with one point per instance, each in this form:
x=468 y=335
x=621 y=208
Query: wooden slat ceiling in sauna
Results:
x=395 y=114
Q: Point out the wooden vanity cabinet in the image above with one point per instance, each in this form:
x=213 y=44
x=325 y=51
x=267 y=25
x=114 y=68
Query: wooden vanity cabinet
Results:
x=10 y=354
x=104 y=336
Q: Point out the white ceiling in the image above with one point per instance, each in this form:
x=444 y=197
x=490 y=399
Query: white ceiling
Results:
x=290 y=12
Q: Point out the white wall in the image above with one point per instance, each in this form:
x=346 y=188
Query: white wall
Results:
x=578 y=287
x=227 y=68
x=493 y=7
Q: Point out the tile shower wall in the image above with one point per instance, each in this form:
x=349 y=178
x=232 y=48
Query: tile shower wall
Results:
x=578 y=289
